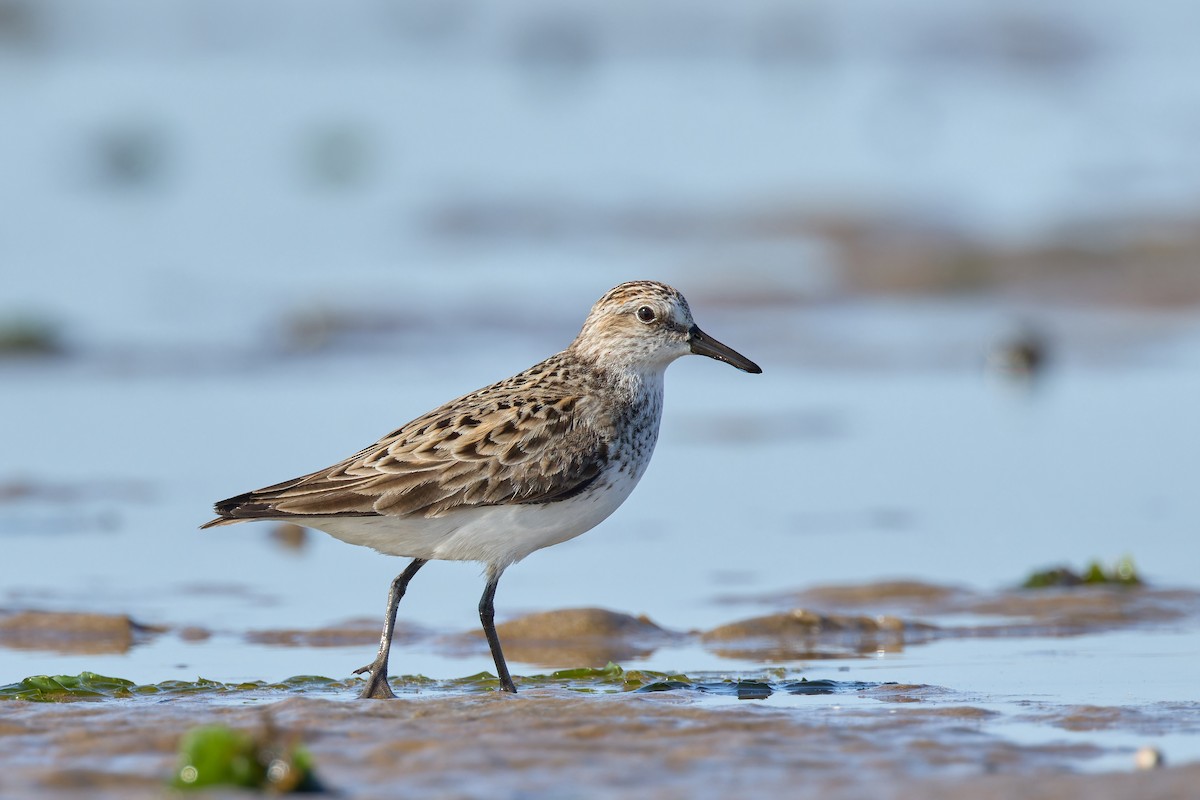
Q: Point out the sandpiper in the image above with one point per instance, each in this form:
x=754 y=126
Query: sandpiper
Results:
x=531 y=461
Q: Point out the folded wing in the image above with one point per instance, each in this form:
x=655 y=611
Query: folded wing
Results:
x=462 y=455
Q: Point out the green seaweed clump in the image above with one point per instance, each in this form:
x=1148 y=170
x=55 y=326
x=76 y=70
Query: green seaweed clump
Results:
x=56 y=688
x=215 y=755
x=609 y=678
x=1123 y=573
x=90 y=686
x=29 y=337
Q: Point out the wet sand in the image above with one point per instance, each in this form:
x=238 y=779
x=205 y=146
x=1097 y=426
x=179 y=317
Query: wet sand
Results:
x=548 y=742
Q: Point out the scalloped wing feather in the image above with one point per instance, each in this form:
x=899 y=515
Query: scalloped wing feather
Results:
x=475 y=451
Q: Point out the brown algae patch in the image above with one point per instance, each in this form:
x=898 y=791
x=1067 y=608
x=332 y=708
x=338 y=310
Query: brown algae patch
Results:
x=839 y=629
x=573 y=623
x=802 y=621
x=1157 y=719
x=351 y=633
x=576 y=636
x=72 y=632
x=1060 y=611
x=831 y=623
x=911 y=597
x=805 y=634
x=1087 y=609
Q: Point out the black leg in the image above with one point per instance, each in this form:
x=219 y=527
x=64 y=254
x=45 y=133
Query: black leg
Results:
x=377 y=685
x=487 y=615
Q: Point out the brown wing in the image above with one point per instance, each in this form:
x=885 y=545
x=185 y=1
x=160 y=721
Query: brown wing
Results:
x=477 y=451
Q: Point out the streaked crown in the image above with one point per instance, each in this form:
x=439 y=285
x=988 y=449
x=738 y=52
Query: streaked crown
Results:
x=637 y=325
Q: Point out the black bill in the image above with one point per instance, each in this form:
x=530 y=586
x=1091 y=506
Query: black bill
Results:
x=705 y=345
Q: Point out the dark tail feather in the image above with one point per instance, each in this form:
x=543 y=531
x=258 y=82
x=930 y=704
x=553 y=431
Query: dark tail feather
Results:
x=240 y=508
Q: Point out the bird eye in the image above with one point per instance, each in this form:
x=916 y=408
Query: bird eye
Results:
x=646 y=314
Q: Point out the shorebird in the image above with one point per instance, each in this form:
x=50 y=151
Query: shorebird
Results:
x=531 y=461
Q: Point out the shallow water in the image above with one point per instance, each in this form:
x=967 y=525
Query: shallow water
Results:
x=938 y=472
x=219 y=339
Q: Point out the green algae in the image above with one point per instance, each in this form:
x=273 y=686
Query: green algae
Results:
x=28 y=336
x=84 y=686
x=610 y=679
x=1123 y=573
x=216 y=755
x=613 y=679
x=91 y=686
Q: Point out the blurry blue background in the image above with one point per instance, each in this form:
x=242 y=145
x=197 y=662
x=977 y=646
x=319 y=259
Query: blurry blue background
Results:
x=240 y=241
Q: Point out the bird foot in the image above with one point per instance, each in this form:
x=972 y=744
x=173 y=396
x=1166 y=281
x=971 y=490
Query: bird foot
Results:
x=377 y=687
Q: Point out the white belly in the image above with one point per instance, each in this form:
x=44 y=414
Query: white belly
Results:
x=495 y=535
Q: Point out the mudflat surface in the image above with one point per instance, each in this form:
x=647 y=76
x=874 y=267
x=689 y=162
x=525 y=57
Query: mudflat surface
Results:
x=886 y=742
